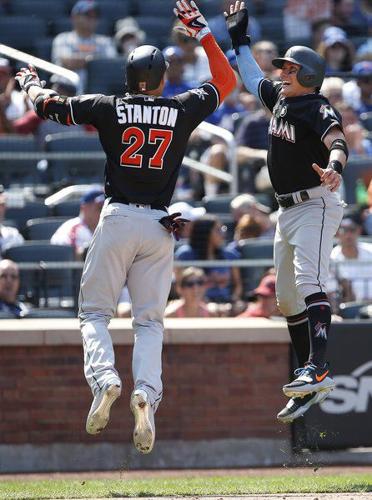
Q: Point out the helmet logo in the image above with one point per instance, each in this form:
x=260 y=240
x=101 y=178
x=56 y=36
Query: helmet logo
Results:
x=142 y=85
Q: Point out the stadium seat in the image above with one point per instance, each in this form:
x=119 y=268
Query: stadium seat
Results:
x=43 y=48
x=351 y=310
x=218 y=204
x=254 y=248
x=158 y=28
x=29 y=211
x=104 y=26
x=38 y=9
x=106 y=76
x=78 y=171
x=21 y=32
x=164 y=8
x=272 y=28
x=43 y=228
x=20 y=171
x=67 y=209
x=113 y=10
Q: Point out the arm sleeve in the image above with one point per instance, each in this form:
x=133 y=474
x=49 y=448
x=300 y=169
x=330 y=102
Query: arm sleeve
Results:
x=223 y=76
x=249 y=70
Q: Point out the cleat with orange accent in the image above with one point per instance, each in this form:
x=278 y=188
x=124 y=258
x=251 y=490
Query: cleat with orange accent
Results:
x=309 y=379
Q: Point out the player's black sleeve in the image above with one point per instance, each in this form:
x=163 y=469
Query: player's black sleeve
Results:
x=198 y=103
x=69 y=110
x=322 y=117
x=268 y=92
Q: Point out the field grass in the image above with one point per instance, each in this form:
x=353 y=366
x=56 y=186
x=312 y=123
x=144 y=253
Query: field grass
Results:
x=191 y=486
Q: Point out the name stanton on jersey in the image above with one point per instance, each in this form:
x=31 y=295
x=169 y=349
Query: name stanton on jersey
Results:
x=153 y=115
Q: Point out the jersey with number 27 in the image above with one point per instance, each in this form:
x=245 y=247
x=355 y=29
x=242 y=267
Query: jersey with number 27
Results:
x=144 y=138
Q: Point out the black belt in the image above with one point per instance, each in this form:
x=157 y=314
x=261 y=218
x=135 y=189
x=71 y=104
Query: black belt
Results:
x=154 y=206
x=286 y=201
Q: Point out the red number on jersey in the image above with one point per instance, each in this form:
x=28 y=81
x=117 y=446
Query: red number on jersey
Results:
x=135 y=137
x=165 y=137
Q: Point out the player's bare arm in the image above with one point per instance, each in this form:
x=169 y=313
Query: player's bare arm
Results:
x=196 y=26
x=331 y=176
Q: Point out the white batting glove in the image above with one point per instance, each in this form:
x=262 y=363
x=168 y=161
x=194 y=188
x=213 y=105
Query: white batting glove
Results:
x=195 y=24
x=27 y=77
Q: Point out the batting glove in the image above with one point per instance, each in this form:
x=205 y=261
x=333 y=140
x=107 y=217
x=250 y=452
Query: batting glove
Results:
x=173 y=224
x=27 y=77
x=195 y=24
x=237 y=25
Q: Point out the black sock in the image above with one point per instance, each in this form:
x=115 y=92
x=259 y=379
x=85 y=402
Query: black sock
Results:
x=319 y=314
x=298 y=326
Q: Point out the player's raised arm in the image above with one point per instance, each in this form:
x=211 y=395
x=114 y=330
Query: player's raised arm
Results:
x=237 y=25
x=196 y=26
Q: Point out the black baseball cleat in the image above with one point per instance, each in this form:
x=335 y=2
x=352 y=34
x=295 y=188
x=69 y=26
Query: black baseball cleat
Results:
x=309 y=379
x=296 y=407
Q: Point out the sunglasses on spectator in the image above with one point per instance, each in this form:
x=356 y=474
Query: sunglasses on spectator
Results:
x=192 y=283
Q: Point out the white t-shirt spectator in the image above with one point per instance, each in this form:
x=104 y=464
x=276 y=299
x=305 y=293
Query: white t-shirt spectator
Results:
x=9 y=237
x=73 y=232
x=359 y=275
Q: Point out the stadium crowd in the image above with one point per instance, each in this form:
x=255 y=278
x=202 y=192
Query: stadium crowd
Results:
x=93 y=38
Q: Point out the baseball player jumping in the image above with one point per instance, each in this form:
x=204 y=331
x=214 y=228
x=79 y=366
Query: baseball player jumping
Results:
x=144 y=137
x=307 y=153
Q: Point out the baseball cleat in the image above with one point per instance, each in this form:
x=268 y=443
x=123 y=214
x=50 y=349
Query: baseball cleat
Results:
x=309 y=379
x=296 y=407
x=99 y=413
x=144 y=428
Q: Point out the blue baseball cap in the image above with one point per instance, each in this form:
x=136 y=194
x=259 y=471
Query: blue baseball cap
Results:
x=83 y=7
x=93 y=196
x=362 y=68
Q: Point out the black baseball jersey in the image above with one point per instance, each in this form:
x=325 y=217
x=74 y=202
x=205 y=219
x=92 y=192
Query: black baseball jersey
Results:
x=144 y=137
x=296 y=132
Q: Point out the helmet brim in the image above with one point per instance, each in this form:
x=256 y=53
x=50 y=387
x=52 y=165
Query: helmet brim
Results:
x=278 y=62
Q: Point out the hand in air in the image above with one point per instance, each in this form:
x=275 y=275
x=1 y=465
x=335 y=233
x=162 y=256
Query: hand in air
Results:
x=194 y=23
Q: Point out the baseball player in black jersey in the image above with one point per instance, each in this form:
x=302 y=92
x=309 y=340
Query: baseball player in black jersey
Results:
x=307 y=153
x=144 y=137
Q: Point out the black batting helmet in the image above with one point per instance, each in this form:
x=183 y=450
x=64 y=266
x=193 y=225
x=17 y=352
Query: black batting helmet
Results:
x=145 y=68
x=312 y=71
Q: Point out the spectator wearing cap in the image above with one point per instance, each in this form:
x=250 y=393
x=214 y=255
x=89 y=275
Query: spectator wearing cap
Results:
x=345 y=258
x=358 y=92
x=265 y=300
x=337 y=51
x=248 y=204
x=74 y=49
x=12 y=103
x=78 y=231
x=9 y=236
x=128 y=36
x=175 y=82
x=188 y=212
x=9 y=287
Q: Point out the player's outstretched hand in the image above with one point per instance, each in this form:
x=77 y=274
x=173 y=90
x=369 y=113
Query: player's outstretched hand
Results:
x=174 y=223
x=328 y=177
x=237 y=24
x=194 y=23
x=26 y=77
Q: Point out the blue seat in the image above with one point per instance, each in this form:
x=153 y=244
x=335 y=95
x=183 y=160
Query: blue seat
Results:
x=38 y=9
x=162 y=8
x=29 y=211
x=62 y=24
x=272 y=28
x=351 y=310
x=43 y=48
x=67 y=209
x=78 y=171
x=106 y=76
x=253 y=249
x=43 y=228
x=21 y=32
x=20 y=171
x=218 y=204
x=113 y=10
x=158 y=28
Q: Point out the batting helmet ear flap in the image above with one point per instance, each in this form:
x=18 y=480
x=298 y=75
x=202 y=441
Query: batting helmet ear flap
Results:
x=145 y=68
x=312 y=65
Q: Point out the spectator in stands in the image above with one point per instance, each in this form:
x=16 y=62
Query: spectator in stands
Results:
x=264 y=52
x=74 y=49
x=253 y=130
x=248 y=204
x=196 y=66
x=207 y=243
x=345 y=257
x=188 y=212
x=299 y=16
x=128 y=36
x=13 y=104
x=358 y=92
x=219 y=30
x=332 y=89
x=9 y=236
x=345 y=15
x=367 y=215
x=9 y=286
x=337 y=50
x=247 y=227
x=78 y=231
x=191 y=289
x=175 y=83
x=356 y=135
x=265 y=304
x=318 y=28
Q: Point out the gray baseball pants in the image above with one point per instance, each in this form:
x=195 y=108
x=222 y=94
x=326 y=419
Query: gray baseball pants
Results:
x=302 y=247
x=129 y=247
